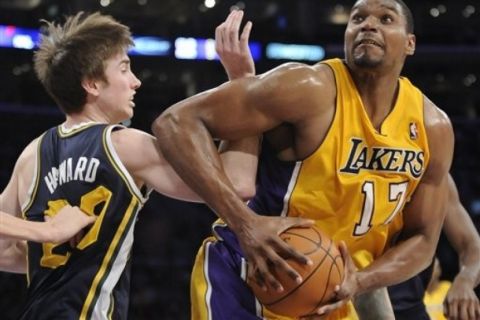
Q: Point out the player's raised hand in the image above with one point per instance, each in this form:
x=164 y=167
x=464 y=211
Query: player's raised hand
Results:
x=232 y=47
x=67 y=223
x=266 y=252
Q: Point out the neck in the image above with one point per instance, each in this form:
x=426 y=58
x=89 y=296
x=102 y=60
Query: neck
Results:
x=89 y=113
x=378 y=93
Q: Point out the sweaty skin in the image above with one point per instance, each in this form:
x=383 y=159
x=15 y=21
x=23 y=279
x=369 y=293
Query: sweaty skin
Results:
x=303 y=98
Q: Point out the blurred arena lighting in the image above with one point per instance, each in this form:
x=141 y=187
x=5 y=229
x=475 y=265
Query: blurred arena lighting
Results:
x=204 y=49
x=105 y=3
x=294 y=52
x=468 y=11
x=20 y=38
x=20 y=4
x=25 y=38
x=339 y=15
x=151 y=46
x=434 y=12
x=210 y=3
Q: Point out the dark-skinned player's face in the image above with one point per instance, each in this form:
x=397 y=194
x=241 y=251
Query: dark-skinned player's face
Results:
x=377 y=34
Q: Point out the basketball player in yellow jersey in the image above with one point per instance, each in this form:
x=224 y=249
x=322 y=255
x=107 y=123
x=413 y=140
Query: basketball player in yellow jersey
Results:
x=370 y=156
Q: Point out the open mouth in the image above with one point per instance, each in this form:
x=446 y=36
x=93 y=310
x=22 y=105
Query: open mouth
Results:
x=368 y=42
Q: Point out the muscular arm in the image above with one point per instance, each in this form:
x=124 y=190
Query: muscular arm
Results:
x=463 y=236
x=423 y=215
x=291 y=93
x=244 y=107
x=461 y=301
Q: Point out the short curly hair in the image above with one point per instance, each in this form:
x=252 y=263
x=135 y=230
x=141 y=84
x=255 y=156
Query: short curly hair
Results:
x=75 y=51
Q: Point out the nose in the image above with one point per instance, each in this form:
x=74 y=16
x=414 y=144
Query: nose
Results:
x=136 y=82
x=369 y=24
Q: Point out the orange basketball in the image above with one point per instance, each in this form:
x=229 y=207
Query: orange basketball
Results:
x=319 y=279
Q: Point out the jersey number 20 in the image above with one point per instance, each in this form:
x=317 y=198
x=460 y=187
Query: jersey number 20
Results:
x=88 y=203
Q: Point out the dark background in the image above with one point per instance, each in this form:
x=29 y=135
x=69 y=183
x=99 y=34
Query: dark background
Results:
x=446 y=67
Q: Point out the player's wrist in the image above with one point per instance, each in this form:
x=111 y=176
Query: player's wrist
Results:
x=242 y=222
x=466 y=278
x=361 y=283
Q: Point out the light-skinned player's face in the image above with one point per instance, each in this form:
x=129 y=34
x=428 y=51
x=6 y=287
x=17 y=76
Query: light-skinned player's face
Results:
x=116 y=95
x=377 y=34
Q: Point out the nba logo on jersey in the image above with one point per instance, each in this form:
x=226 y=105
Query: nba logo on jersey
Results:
x=413 y=131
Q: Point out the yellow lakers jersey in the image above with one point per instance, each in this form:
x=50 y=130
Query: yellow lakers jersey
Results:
x=356 y=184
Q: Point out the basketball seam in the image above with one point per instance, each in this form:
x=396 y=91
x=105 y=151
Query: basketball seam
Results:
x=326 y=287
x=306 y=279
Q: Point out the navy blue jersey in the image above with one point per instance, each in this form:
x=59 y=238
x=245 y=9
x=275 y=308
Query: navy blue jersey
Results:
x=407 y=297
x=91 y=281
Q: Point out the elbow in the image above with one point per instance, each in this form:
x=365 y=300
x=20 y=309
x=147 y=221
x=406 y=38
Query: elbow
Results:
x=164 y=124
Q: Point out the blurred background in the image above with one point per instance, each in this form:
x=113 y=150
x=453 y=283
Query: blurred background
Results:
x=174 y=58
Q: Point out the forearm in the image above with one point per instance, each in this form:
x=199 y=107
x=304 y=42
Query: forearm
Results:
x=374 y=305
x=399 y=263
x=16 y=228
x=469 y=265
x=197 y=162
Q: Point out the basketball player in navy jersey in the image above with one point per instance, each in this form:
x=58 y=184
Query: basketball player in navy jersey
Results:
x=63 y=226
x=105 y=169
x=461 y=301
x=368 y=152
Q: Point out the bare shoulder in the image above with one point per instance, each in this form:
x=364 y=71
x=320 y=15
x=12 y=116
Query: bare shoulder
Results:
x=28 y=155
x=311 y=88
x=440 y=140
x=130 y=137
x=300 y=74
x=25 y=166
x=135 y=148
x=24 y=171
x=435 y=118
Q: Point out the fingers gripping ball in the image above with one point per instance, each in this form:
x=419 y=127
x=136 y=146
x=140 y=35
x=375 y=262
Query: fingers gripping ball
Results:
x=319 y=279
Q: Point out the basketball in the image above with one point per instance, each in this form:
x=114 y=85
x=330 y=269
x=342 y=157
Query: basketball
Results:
x=319 y=279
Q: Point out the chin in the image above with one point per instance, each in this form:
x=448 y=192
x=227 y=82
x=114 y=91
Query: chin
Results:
x=366 y=62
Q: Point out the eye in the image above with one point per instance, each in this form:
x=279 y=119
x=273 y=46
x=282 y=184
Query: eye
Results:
x=387 y=19
x=357 y=18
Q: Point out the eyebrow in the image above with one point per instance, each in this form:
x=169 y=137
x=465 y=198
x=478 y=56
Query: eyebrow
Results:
x=124 y=61
x=392 y=8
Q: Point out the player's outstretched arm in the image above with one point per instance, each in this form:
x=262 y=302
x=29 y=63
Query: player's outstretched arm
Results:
x=241 y=108
x=461 y=301
x=63 y=226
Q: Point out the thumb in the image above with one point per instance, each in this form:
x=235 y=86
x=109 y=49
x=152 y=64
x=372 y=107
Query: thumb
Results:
x=347 y=259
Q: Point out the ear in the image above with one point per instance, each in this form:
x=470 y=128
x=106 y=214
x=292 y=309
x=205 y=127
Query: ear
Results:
x=91 y=86
x=411 y=43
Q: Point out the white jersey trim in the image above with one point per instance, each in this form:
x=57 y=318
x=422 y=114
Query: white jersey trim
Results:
x=129 y=180
x=291 y=186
